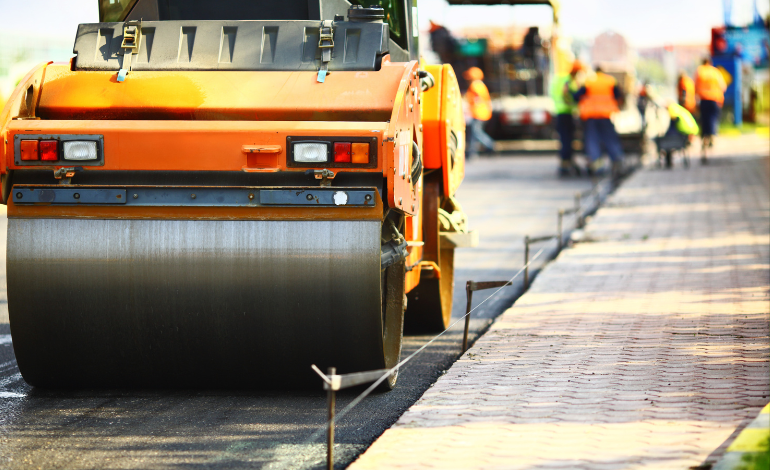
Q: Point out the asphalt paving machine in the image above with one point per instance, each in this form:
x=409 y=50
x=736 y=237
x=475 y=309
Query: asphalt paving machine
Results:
x=222 y=193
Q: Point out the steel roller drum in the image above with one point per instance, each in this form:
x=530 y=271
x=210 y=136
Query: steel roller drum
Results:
x=215 y=303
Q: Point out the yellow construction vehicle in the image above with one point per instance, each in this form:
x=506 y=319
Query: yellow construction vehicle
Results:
x=222 y=193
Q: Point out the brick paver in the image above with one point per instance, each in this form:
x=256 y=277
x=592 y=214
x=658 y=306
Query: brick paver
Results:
x=645 y=346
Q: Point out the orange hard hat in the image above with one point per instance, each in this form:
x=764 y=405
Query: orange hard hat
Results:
x=473 y=73
x=577 y=66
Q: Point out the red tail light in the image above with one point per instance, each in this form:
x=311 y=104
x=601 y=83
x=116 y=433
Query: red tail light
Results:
x=49 y=150
x=342 y=152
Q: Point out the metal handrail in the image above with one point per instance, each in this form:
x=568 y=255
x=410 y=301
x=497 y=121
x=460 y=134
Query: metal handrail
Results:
x=334 y=382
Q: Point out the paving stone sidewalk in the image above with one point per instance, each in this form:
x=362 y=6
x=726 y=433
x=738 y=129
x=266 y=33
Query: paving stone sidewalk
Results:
x=645 y=346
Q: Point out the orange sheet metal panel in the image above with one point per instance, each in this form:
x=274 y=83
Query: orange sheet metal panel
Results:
x=194 y=145
x=21 y=102
x=404 y=194
x=230 y=96
x=414 y=233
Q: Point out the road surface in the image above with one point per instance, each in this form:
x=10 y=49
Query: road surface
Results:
x=506 y=198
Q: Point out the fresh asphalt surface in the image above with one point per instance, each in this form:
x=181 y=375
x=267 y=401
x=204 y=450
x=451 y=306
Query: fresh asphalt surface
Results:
x=505 y=198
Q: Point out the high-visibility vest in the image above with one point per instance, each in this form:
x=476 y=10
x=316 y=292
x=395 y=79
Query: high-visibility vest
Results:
x=599 y=100
x=709 y=84
x=687 y=93
x=686 y=123
x=563 y=103
x=479 y=100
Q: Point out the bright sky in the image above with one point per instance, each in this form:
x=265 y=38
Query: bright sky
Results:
x=47 y=17
x=644 y=23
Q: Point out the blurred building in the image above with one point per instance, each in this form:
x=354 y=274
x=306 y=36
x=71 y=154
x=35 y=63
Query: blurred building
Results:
x=611 y=47
x=686 y=57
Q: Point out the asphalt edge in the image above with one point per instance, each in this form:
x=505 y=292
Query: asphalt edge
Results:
x=751 y=448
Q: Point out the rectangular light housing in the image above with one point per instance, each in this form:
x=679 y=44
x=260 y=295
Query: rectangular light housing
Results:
x=29 y=150
x=311 y=152
x=360 y=153
x=49 y=150
x=320 y=151
x=342 y=152
x=80 y=150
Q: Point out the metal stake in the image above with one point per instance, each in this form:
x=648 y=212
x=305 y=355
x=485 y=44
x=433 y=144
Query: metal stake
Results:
x=469 y=294
x=526 y=262
x=330 y=435
x=559 y=230
x=334 y=382
x=470 y=287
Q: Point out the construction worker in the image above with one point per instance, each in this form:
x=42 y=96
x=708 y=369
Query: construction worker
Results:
x=597 y=101
x=480 y=105
x=685 y=91
x=443 y=43
x=682 y=127
x=561 y=91
x=710 y=88
x=641 y=103
x=682 y=120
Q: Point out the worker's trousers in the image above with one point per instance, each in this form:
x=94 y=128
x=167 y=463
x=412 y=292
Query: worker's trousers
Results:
x=600 y=135
x=565 y=126
x=477 y=136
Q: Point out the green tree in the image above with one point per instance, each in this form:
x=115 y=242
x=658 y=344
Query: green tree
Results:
x=652 y=71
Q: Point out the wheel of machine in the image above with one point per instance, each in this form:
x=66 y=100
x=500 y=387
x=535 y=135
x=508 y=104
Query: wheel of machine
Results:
x=430 y=303
x=392 y=319
x=200 y=303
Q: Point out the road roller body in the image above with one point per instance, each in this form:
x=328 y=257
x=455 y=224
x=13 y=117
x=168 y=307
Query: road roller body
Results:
x=220 y=194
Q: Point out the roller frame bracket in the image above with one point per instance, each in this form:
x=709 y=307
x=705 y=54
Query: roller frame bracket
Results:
x=207 y=196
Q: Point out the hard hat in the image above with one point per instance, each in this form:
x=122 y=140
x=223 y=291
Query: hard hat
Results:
x=577 y=66
x=473 y=73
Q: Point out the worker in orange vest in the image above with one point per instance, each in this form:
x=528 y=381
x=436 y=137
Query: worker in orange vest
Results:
x=685 y=91
x=597 y=101
x=480 y=105
x=710 y=88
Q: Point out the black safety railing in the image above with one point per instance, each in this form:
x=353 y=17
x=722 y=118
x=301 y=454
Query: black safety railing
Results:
x=333 y=382
x=579 y=210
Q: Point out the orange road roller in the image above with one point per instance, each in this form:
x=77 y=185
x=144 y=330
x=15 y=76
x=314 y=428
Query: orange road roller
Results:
x=222 y=193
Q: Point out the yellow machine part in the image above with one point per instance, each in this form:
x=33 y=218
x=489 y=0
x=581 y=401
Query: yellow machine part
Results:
x=444 y=127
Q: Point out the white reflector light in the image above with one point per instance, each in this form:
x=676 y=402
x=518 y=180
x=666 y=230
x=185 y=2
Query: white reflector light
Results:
x=310 y=152
x=80 y=150
x=538 y=117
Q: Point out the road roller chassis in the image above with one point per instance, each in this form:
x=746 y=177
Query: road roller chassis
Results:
x=187 y=209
